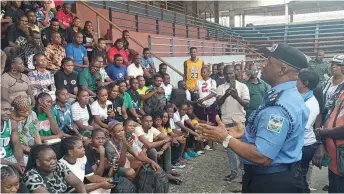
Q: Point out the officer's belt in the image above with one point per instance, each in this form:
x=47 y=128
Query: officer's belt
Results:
x=254 y=169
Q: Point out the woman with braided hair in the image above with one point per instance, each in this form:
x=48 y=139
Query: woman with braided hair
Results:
x=25 y=120
x=45 y=174
x=9 y=179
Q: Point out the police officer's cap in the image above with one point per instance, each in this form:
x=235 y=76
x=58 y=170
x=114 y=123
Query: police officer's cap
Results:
x=338 y=59
x=286 y=54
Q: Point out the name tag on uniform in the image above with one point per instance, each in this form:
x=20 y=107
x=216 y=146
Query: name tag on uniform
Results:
x=275 y=123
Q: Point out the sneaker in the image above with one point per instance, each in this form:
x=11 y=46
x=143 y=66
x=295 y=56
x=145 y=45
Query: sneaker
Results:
x=193 y=154
x=200 y=152
x=231 y=177
x=178 y=165
x=207 y=147
x=186 y=157
x=312 y=189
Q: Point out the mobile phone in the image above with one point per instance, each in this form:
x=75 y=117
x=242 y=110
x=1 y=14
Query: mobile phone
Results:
x=129 y=136
x=113 y=180
x=326 y=161
x=109 y=108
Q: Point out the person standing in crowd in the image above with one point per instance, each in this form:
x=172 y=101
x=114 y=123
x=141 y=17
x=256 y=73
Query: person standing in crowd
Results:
x=257 y=89
x=88 y=78
x=162 y=69
x=270 y=165
x=307 y=82
x=116 y=71
x=125 y=38
x=319 y=66
x=239 y=73
x=232 y=97
x=55 y=53
x=65 y=16
x=331 y=87
x=77 y=52
x=88 y=41
x=48 y=32
x=11 y=150
x=331 y=149
x=70 y=32
x=28 y=50
x=220 y=78
x=192 y=71
x=117 y=48
x=214 y=71
x=14 y=81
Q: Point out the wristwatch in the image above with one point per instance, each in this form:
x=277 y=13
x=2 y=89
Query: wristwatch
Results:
x=226 y=142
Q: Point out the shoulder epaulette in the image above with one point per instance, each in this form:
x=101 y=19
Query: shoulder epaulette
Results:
x=273 y=98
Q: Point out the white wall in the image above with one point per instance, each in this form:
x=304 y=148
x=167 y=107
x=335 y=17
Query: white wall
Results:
x=178 y=62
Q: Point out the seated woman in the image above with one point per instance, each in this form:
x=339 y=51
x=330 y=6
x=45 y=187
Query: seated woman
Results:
x=41 y=80
x=10 y=150
x=25 y=120
x=74 y=158
x=14 y=81
x=9 y=179
x=44 y=174
x=81 y=113
x=117 y=147
x=117 y=102
x=160 y=148
x=63 y=112
x=102 y=109
x=47 y=121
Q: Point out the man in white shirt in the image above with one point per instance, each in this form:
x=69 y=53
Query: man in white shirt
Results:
x=166 y=84
x=307 y=82
x=146 y=134
x=232 y=96
x=135 y=69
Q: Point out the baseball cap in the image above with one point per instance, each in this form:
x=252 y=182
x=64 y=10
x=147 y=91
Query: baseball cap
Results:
x=338 y=59
x=286 y=54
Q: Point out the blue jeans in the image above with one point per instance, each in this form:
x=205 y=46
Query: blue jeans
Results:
x=233 y=158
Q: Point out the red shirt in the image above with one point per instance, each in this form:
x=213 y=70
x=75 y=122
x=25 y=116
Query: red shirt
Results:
x=330 y=146
x=113 y=51
x=65 y=19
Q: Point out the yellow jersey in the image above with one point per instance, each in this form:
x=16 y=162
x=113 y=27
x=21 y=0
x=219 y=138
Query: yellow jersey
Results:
x=193 y=73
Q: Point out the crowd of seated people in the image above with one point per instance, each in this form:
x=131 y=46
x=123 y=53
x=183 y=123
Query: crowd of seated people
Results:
x=68 y=100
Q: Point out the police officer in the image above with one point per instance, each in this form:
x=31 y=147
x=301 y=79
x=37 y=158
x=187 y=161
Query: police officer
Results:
x=272 y=143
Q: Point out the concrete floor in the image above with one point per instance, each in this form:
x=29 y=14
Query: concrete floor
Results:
x=205 y=174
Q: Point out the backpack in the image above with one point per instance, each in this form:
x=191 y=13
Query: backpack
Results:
x=148 y=181
x=124 y=186
x=155 y=104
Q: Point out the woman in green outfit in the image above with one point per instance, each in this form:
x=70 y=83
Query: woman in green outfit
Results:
x=11 y=152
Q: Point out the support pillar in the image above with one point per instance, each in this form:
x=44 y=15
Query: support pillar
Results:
x=291 y=14
x=242 y=19
x=231 y=18
x=286 y=13
x=216 y=12
x=194 y=8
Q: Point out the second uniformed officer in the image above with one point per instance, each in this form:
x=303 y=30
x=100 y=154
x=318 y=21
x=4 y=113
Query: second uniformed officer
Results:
x=272 y=143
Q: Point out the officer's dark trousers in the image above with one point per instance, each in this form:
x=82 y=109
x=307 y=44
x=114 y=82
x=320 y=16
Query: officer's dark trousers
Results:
x=307 y=155
x=289 y=181
x=336 y=183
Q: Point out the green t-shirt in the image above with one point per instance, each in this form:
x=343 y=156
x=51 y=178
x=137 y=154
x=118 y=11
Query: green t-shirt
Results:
x=142 y=92
x=257 y=93
x=5 y=139
x=127 y=101
x=320 y=68
x=44 y=124
x=85 y=78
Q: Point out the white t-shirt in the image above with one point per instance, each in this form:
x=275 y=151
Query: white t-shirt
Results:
x=80 y=113
x=168 y=90
x=79 y=168
x=188 y=95
x=152 y=132
x=132 y=70
x=231 y=108
x=177 y=118
x=96 y=109
x=204 y=88
x=313 y=106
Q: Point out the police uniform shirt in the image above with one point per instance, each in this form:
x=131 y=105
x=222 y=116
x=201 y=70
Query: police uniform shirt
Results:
x=65 y=81
x=277 y=128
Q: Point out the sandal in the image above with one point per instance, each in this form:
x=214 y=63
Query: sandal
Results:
x=175 y=181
